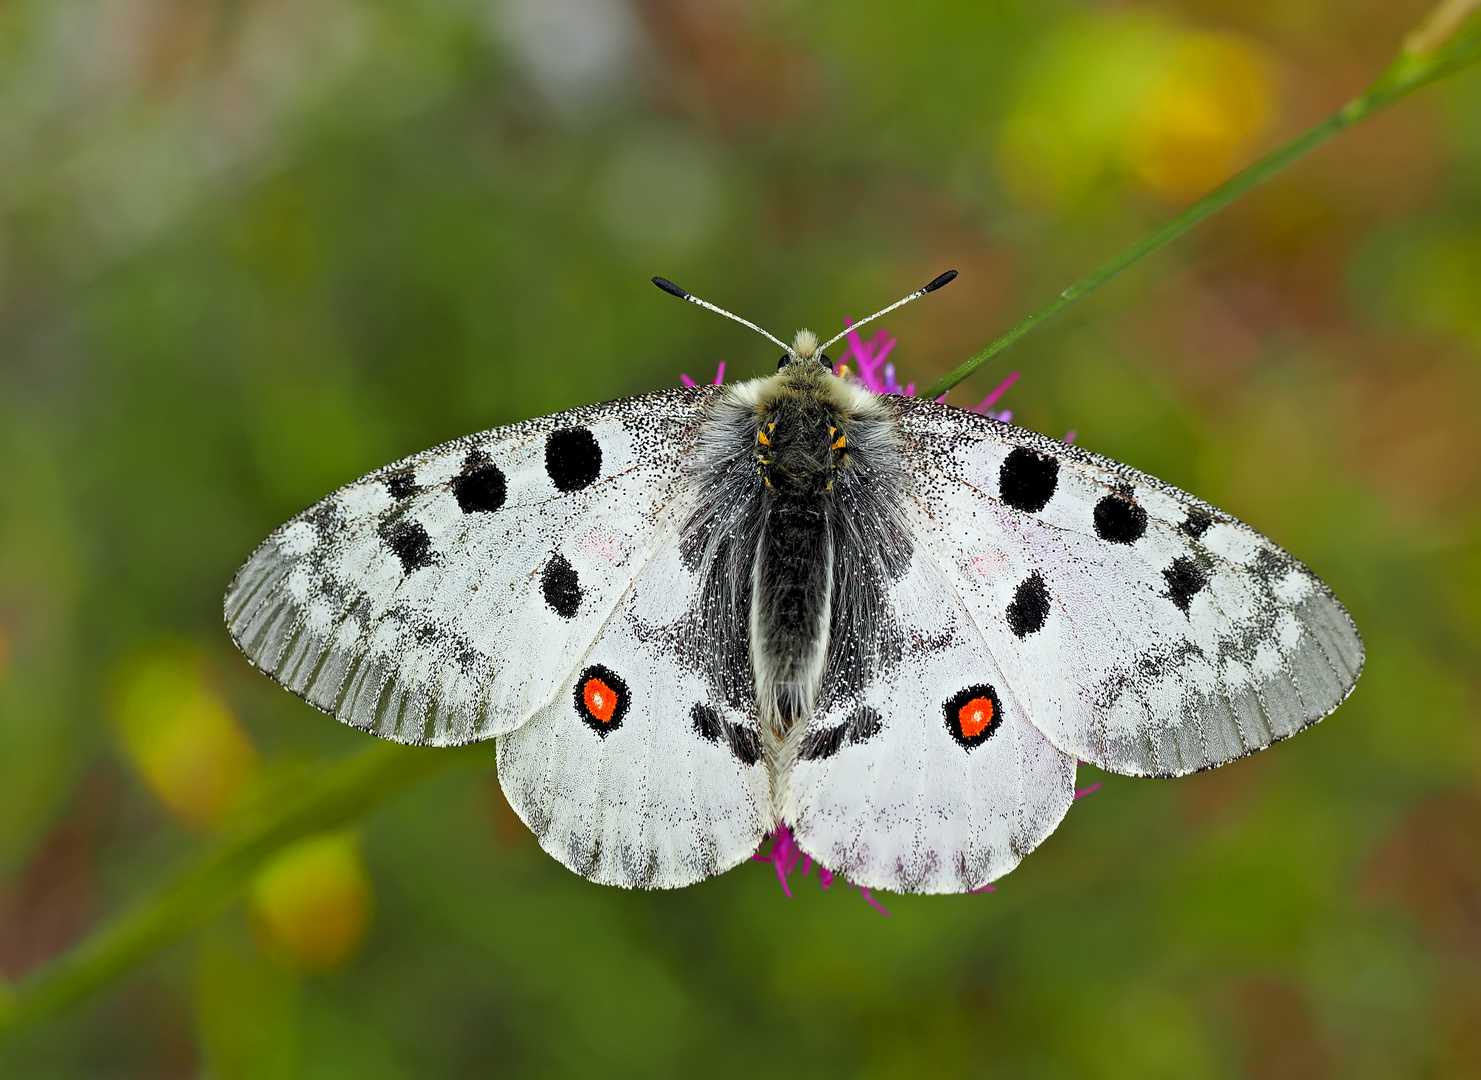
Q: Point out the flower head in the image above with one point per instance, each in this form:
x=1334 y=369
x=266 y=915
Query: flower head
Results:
x=719 y=377
x=866 y=362
x=310 y=902
x=784 y=855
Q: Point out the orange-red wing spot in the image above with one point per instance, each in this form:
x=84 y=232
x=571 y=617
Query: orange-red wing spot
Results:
x=976 y=715
x=601 y=699
x=973 y=715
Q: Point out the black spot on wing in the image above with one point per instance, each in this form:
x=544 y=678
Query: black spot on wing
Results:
x=1026 y=480
x=573 y=458
x=1118 y=520
x=1196 y=524
x=862 y=724
x=561 y=586
x=411 y=544
x=820 y=745
x=1029 y=607
x=708 y=724
x=400 y=485
x=480 y=487
x=1184 y=579
x=744 y=742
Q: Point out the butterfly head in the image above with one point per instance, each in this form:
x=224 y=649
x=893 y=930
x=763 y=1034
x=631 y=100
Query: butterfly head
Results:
x=804 y=350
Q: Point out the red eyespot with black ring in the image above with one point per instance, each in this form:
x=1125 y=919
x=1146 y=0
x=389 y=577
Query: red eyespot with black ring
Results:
x=973 y=715
x=601 y=699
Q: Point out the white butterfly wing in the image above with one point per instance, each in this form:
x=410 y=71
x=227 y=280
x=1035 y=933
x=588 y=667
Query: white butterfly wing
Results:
x=892 y=791
x=636 y=774
x=445 y=598
x=1145 y=631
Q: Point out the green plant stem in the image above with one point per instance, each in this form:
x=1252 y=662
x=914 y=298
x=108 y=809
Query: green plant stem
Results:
x=340 y=794
x=1405 y=75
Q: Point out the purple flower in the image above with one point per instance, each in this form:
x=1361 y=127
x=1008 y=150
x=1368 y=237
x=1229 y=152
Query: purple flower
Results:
x=784 y=855
x=873 y=371
x=719 y=377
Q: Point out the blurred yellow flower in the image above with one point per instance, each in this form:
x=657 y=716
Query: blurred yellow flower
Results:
x=311 y=901
x=1133 y=98
x=181 y=735
x=1214 y=96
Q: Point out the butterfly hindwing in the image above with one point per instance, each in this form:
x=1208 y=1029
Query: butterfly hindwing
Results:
x=1146 y=631
x=930 y=778
x=445 y=598
x=637 y=773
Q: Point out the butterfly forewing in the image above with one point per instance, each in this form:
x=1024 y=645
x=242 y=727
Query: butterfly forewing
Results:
x=445 y=598
x=1148 y=632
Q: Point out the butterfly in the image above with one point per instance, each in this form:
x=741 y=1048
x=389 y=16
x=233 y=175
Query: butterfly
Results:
x=889 y=625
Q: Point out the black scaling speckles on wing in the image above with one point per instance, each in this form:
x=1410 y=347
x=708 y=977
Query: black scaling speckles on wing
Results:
x=326 y=519
x=1271 y=566
x=400 y=485
x=1118 y=520
x=1184 y=580
x=1029 y=608
x=1026 y=480
x=1196 y=524
x=709 y=725
x=862 y=725
x=410 y=543
x=573 y=458
x=561 y=586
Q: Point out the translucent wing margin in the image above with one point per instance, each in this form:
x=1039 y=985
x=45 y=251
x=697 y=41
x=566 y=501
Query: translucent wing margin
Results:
x=445 y=598
x=1146 y=631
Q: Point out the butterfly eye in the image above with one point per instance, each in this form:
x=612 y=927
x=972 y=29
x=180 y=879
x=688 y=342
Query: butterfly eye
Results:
x=782 y=362
x=823 y=359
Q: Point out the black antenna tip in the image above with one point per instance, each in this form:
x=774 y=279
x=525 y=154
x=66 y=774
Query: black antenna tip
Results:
x=936 y=283
x=673 y=290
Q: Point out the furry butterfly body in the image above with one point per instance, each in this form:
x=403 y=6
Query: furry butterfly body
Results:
x=890 y=625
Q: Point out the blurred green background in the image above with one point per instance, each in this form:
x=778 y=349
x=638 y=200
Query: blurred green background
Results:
x=251 y=250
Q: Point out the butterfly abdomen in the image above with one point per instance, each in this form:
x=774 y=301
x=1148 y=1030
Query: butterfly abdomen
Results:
x=791 y=597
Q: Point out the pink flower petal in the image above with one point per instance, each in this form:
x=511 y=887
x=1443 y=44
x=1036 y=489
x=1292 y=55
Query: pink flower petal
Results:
x=998 y=391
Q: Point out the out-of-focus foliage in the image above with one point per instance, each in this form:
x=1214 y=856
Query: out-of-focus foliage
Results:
x=250 y=251
x=311 y=902
x=182 y=737
x=1138 y=98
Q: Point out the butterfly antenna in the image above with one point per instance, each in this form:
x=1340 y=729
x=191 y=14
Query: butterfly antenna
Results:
x=669 y=287
x=936 y=283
